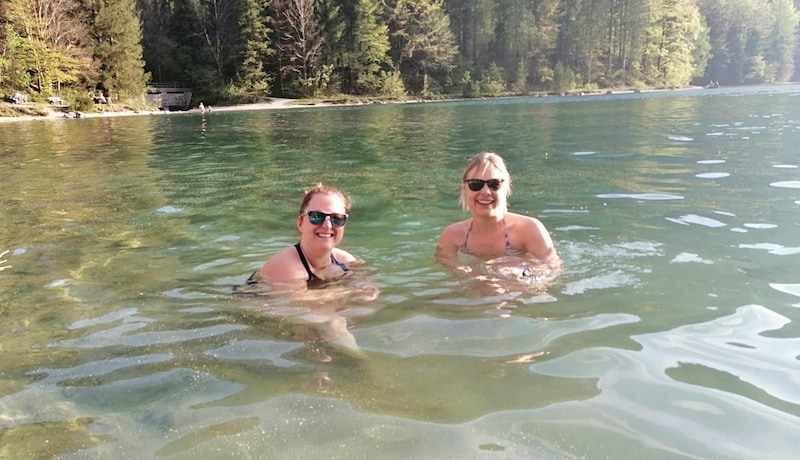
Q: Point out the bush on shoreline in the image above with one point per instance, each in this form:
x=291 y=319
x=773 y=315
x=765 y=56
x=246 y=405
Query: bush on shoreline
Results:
x=43 y=109
x=28 y=110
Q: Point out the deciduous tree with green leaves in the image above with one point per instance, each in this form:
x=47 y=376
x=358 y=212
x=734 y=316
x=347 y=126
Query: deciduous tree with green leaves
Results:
x=301 y=43
x=45 y=45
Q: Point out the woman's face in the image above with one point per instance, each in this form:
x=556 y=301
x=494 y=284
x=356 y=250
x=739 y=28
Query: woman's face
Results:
x=323 y=236
x=485 y=201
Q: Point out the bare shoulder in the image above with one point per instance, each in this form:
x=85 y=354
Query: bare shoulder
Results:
x=451 y=238
x=532 y=234
x=343 y=256
x=283 y=266
x=526 y=223
x=453 y=232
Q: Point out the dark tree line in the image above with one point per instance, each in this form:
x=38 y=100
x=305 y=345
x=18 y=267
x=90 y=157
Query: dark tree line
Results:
x=245 y=50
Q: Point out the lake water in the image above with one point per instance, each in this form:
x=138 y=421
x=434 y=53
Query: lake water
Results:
x=673 y=331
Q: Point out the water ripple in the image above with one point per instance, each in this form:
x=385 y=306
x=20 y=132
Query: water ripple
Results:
x=687 y=257
x=617 y=278
x=94 y=369
x=642 y=196
x=712 y=175
x=791 y=289
x=491 y=337
x=772 y=248
x=697 y=220
x=119 y=336
x=786 y=184
x=257 y=350
x=633 y=386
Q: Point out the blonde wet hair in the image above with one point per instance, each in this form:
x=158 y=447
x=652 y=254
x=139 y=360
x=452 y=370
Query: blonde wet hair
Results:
x=481 y=161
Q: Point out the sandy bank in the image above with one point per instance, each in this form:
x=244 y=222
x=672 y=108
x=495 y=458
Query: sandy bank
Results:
x=274 y=103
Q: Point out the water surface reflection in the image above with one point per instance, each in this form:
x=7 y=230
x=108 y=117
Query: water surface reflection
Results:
x=671 y=332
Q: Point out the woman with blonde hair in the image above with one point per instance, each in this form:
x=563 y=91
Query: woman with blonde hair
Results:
x=492 y=231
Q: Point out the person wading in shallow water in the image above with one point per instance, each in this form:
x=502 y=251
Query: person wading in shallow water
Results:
x=306 y=275
x=315 y=259
x=492 y=232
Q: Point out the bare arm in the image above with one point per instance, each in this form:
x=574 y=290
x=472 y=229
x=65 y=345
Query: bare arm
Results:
x=447 y=249
x=539 y=245
x=283 y=274
x=536 y=239
x=345 y=257
x=283 y=267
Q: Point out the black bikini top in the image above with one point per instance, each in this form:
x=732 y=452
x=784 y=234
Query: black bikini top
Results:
x=314 y=280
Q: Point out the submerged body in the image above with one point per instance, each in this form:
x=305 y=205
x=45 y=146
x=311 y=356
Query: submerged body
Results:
x=307 y=274
x=492 y=232
x=312 y=281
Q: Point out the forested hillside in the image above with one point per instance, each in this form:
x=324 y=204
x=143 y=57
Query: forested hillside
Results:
x=246 y=50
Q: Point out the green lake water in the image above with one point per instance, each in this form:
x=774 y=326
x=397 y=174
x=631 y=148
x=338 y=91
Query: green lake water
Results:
x=673 y=331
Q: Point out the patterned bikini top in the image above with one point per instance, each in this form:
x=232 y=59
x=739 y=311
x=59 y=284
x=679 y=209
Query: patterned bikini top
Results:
x=508 y=250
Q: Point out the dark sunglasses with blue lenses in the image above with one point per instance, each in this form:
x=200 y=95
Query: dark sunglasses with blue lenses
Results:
x=318 y=217
x=476 y=185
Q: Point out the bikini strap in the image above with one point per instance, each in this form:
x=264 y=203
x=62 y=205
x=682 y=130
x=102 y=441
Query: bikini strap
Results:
x=505 y=231
x=341 y=265
x=303 y=260
x=466 y=237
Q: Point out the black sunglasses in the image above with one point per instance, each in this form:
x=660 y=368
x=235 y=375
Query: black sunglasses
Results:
x=318 y=217
x=476 y=185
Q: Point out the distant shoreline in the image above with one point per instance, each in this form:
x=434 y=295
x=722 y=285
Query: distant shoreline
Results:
x=284 y=103
x=275 y=103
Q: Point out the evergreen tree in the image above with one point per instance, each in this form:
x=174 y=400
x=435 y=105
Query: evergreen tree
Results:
x=422 y=38
x=474 y=23
x=118 y=30
x=782 y=41
x=226 y=49
x=330 y=17
x=190 y=52
x=334 y=25
x=525 y=35
x=670 y=59
x=157 y=44
x=735 y=31
x=366 y=57
x=220 y=23
x=255 y=48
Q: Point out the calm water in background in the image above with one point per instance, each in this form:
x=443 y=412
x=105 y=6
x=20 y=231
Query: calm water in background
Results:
x=672 y=333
